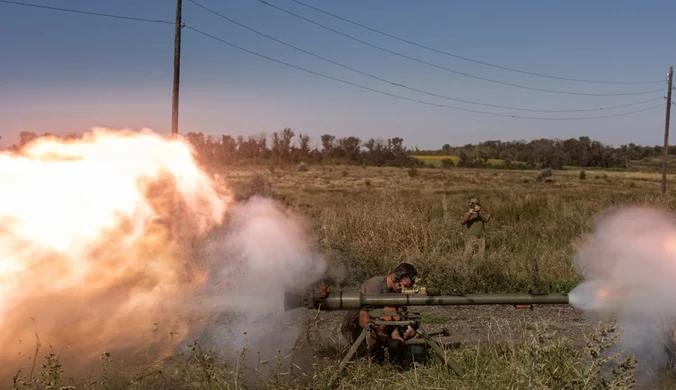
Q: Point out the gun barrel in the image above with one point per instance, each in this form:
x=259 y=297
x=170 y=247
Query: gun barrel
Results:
x=350 y=300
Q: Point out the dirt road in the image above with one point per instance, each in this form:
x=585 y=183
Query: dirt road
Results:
x=471 y=325
x=467 y=326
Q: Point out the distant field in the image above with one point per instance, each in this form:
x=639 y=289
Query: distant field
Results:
x=436 y=160
x=654 y=164
x=647 y=165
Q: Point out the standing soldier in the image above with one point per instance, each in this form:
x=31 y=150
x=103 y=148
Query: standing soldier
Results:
x=475 y=239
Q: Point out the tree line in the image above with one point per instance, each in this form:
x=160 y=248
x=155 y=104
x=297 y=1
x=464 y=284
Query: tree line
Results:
x=285 y=147
x=551 y=153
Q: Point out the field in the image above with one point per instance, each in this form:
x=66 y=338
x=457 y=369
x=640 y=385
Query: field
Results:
x=369 y=219
x=436 y=160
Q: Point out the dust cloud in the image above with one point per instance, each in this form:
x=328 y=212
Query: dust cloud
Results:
x=120 y=242
x=261 y=252
x=629 y=265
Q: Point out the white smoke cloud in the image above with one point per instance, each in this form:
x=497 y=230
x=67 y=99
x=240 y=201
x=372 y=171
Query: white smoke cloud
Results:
x=262 y=251
x=629 y=265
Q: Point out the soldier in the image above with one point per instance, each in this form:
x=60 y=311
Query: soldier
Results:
x=382 y=337
x=475 y=219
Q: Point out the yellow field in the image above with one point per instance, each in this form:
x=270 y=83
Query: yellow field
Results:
x=436 y=160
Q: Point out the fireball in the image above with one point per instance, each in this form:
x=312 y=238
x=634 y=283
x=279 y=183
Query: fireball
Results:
x=96 y=236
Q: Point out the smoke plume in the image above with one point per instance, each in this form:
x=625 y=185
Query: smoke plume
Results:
x=629 y=265
x=120 y=242
x=261 y=252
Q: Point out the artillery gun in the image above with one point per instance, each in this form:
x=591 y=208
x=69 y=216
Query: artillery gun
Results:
x=392 y=309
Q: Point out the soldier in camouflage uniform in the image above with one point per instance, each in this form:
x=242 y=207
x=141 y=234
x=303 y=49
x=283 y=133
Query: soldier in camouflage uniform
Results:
x=384 y=337
x=475 y=239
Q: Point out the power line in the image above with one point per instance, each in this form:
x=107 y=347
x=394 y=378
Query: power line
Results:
x=469 y=59
x=449 y=69
x=405 y=98
x=86 y=12
x=407 y=87
x=317 y=73
x=338 y=32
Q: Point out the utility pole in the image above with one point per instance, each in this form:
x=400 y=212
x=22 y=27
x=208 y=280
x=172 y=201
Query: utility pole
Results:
x=177 y=68
x=175 y=224
x=666 y=131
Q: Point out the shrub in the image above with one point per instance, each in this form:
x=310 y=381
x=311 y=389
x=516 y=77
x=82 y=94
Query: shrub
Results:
x=258 y=185
x=543 y=174
x=447 y=163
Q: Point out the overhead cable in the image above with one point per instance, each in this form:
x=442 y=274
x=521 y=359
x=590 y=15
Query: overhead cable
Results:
x=405 y=86
x=469 y=59
x=406 y=98
x=449 y=69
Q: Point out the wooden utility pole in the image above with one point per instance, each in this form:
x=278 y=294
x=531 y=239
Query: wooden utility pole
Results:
x=177 y=68
x=175 y=223
x=666 y=131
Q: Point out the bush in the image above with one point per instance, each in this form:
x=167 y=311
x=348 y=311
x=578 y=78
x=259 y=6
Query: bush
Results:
x=259 y=185
x=545 y=173
x=413 y=172
x=447 y=163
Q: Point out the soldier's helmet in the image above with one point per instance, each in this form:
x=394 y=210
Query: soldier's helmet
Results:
x=474 y=201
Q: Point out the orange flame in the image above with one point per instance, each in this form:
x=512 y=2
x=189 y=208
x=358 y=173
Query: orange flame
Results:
x=89 y=262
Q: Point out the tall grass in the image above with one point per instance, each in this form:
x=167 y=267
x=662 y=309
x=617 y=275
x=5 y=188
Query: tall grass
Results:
x=523 y=251
x=538 y=360
x=530 y=239
x=396 y=217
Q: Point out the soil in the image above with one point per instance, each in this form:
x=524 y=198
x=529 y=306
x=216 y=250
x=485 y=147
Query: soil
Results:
x=467 y=326
x=472 y=325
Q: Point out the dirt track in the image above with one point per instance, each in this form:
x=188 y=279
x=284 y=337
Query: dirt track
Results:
x=467 y=325
x=471 y=325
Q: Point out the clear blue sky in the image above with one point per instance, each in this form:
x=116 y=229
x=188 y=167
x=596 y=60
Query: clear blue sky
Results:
x=67 y=72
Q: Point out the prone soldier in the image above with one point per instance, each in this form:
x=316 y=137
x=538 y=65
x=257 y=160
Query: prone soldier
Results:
x=384 y=337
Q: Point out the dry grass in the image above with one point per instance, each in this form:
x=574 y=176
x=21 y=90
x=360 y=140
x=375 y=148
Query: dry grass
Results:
x=538 y=361
x=371 y=219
